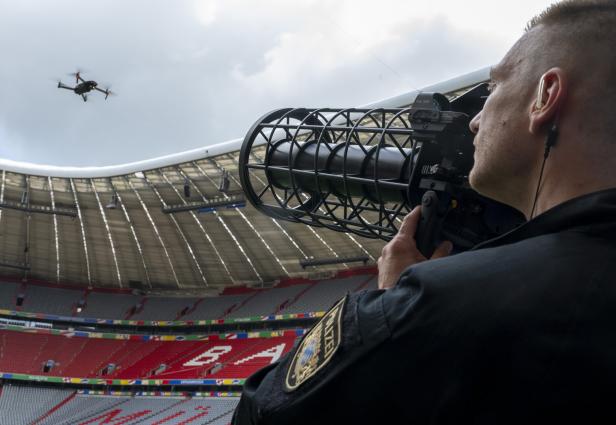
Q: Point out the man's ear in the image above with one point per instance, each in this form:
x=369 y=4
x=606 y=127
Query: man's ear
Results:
x=550 y=97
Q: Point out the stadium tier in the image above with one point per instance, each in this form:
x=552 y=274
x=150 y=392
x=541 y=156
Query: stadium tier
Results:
x=45 y=406
x=299 y=297
x=74 y=356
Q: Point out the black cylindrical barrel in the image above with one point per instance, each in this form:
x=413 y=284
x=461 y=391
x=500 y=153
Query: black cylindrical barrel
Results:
x=342 y=169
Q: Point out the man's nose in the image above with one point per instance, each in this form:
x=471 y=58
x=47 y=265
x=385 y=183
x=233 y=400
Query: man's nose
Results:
x=474 y=124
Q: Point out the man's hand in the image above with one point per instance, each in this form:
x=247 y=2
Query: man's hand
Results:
x=401 y=252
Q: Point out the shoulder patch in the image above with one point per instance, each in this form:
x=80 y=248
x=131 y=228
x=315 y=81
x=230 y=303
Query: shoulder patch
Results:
x=317 y=348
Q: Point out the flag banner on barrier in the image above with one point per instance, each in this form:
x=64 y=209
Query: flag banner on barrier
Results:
x=159 y=323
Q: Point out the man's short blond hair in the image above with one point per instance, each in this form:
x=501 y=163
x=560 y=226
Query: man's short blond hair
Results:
x=594 y=14
x=580 y=36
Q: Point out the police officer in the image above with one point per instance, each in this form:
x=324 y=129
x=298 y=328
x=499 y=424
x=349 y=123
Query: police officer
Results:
x=521 y=329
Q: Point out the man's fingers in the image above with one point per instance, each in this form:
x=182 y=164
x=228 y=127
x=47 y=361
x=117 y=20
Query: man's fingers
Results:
x=409 y=223
x=443 y=250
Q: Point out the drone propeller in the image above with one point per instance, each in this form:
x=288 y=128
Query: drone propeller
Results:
x=107 y=91
x=77 y=75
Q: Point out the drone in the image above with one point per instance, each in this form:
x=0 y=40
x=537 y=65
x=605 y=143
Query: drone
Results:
x=82 y=87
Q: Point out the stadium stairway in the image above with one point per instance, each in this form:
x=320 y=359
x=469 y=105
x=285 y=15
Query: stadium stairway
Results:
x=236 y=307
x=165 y=353
x=176 y=405
x=56 y=407
x=131 y=355
x=290 y=302
x=188 y=310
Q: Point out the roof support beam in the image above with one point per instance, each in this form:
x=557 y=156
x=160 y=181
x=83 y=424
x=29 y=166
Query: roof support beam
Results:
x=156 y=231
x=55 y=229
x=310 y=228
x=199 y=224
x=27 y=217
x=276 y=223
x=83 y=230
x=179 y=230
x=263 y=241
x=2 y=191
x=133 y=232
x=42 y=209
x=222 y=222
x=108 y=229
x=349 y=235
x=228 y=201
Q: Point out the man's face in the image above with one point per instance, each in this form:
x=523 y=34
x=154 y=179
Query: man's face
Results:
x=505 y=152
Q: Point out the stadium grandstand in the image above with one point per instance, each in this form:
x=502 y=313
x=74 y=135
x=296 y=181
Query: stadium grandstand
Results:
x=146 y=293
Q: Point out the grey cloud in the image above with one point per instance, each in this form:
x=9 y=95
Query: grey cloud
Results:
x=175 y=77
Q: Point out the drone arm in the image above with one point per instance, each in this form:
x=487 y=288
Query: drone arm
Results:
x=106 y=91
x=62 y=86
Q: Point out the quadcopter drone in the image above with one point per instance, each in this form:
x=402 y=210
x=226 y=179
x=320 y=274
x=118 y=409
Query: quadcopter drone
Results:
x=84 y=87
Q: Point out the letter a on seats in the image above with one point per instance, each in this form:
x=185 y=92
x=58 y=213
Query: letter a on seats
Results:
x=273 y=354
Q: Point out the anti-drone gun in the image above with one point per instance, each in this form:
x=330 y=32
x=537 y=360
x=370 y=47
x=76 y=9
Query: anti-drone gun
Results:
x=362 y=170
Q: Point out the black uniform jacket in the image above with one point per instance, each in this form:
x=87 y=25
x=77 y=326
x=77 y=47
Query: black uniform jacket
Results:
x=519 y=330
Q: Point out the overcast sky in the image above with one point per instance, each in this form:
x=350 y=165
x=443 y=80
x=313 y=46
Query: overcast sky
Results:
x=192 y=73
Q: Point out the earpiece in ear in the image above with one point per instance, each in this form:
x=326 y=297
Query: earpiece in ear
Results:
x=539 y=103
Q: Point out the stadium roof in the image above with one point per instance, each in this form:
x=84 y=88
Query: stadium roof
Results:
x=111 y=226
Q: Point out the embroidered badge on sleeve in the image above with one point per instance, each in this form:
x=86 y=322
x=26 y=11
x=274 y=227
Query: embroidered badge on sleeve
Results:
x=317 y=348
